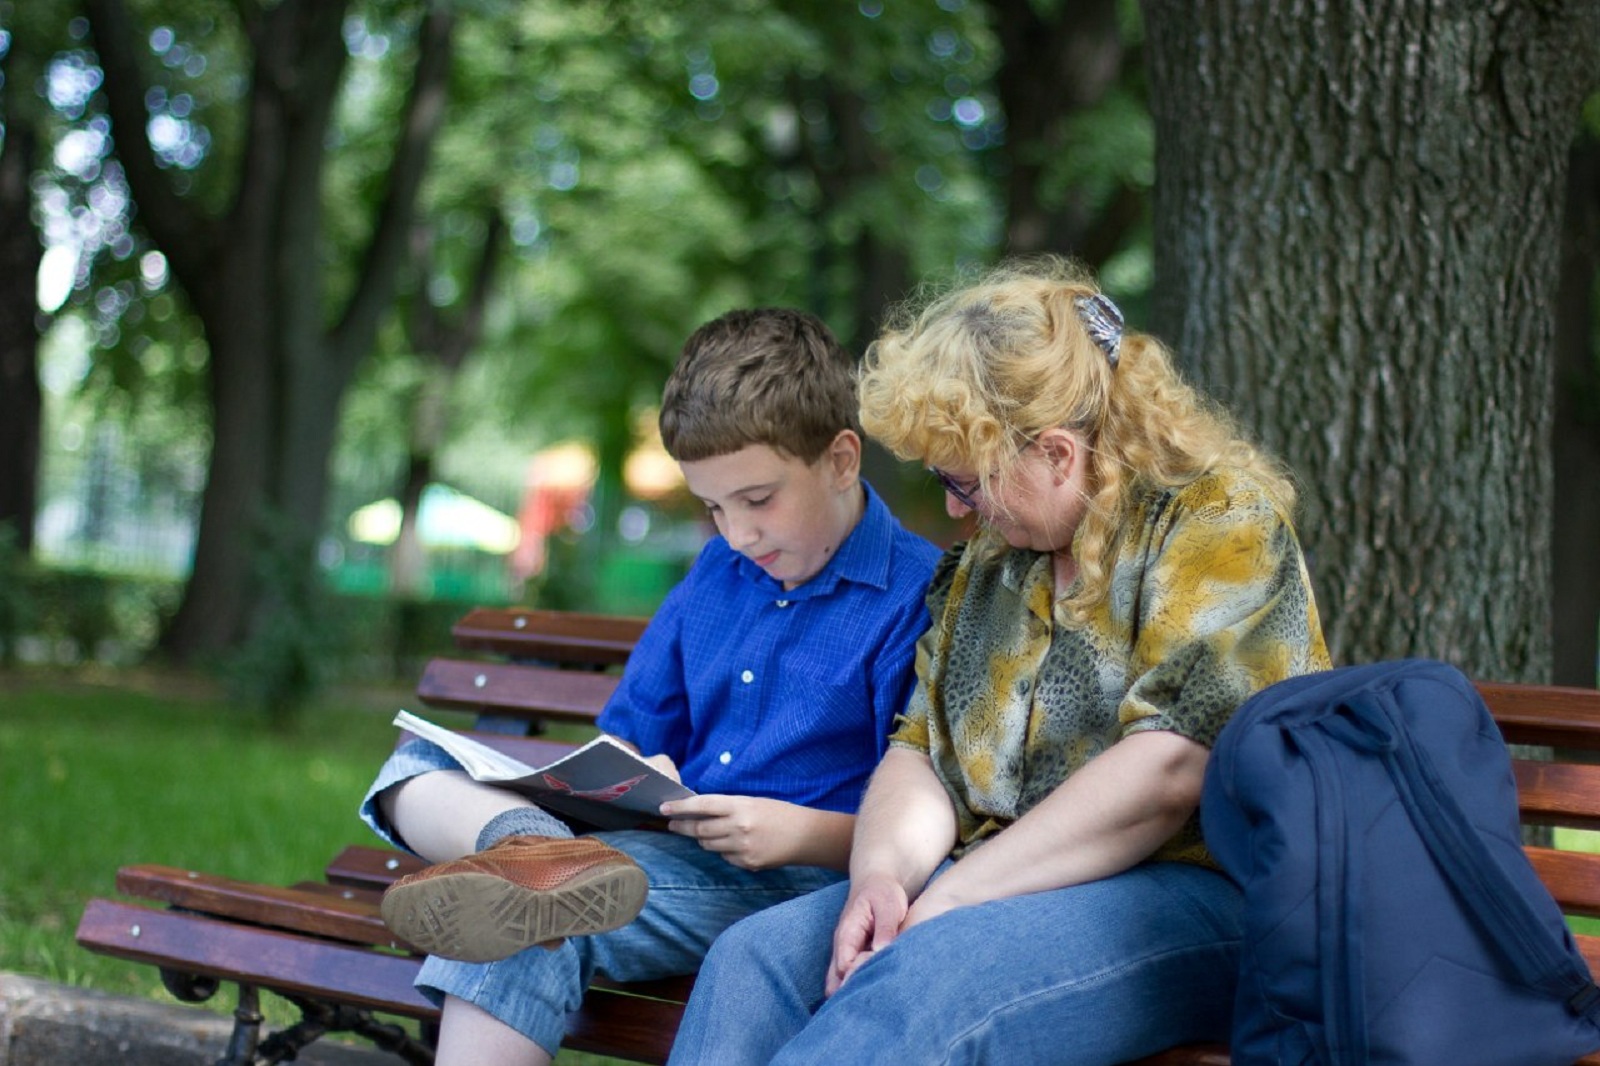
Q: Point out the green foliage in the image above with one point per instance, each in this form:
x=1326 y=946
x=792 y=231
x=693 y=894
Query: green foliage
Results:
x=94 y=620
x=659 y=165
x=78 y=616
x=655 y=164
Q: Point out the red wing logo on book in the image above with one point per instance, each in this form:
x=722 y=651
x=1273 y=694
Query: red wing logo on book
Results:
x=609 y=794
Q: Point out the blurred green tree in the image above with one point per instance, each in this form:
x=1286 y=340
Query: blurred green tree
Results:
x=658 y=166
x=608 y=175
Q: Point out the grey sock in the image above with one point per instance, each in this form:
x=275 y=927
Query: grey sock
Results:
x=521 y=821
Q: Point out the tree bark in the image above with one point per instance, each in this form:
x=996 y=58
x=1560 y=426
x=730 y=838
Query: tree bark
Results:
x=1357 y=220
x=281 y=357
x=1575 y=591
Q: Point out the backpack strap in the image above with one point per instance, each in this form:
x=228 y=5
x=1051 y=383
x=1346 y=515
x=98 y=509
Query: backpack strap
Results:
x=1339 y=905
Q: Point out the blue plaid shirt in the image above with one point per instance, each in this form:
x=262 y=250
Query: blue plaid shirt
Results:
x=756 y=690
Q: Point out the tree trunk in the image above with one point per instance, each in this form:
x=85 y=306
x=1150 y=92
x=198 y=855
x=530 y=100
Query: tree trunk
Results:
x=1576 y=589
x=20 y=400
x=1357 y=220
x=223 y=582
x=281 y=356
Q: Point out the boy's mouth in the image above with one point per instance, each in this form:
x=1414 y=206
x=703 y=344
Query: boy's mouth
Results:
x=765 y=561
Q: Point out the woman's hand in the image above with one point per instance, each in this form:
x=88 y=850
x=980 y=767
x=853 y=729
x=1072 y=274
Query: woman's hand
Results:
x=929 y=905
x=870 y=921
x=750 y=832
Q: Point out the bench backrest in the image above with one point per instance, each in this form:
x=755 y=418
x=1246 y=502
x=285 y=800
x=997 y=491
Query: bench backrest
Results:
x=1563 y=793
x=548 y=666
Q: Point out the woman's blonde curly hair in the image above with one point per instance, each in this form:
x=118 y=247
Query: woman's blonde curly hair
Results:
x=965 y=378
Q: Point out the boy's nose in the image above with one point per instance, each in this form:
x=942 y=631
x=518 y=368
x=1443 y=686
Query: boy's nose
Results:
x=741 y=534
x=954 y=507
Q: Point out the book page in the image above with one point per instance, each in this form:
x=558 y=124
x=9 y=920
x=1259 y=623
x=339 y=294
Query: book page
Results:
x=604 y=783
x=482 y=762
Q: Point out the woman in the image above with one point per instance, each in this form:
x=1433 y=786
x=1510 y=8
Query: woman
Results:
x=1028 y=881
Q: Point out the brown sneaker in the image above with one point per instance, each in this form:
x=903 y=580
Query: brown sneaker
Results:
x=520 y=892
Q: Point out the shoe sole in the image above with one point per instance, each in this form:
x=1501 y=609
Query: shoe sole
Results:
x=477 y=917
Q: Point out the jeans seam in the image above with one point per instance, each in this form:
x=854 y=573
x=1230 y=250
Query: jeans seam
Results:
x=1100 y=976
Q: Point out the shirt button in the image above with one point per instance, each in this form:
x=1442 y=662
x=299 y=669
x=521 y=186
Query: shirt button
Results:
x=725 y=758
x=747 y=677
x=783 y=603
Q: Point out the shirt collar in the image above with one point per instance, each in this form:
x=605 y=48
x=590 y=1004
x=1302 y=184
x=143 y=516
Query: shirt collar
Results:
x=1030 y=575
x=863 y=558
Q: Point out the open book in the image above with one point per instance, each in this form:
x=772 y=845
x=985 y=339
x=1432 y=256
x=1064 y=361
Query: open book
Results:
x=602 y=784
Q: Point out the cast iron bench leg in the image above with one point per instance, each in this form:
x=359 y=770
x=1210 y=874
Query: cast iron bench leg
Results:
x=246 y=1029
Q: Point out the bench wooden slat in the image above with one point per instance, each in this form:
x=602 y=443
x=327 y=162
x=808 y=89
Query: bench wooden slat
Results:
x=609 y=1022
x=1553 y=715
x=363 y=866
x=1558 y=793
x=517 y=690
x=326 y=914
x=322 y=888
x=1573 y=878
x=280 y=961
x=310 y=908
x=562 y=636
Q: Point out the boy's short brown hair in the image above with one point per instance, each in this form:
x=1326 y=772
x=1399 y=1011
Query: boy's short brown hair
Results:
x=772 y=376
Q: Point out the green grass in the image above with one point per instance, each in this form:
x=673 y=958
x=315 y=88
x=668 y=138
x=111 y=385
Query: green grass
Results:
x=95 y=776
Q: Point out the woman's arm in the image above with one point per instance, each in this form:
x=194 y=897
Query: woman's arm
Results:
x=906 y=826
x=1110 y=815
x=905 y=829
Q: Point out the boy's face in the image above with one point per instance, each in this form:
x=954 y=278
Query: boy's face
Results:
x=787 y=516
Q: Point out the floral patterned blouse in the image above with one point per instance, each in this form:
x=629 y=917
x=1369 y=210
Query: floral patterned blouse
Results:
x=1210 y=601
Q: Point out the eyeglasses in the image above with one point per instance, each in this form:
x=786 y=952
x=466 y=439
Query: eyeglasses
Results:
x=964 y=493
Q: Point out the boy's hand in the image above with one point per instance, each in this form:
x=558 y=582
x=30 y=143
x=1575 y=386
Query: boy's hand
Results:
x=750 y=832
x=665 y=764
x=870 y=920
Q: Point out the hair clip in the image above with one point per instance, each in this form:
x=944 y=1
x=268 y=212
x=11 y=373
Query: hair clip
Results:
x=1103 y=320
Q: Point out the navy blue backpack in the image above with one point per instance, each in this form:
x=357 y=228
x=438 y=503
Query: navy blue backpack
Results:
x=1391 y=915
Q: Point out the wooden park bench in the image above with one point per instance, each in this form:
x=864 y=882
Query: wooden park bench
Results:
x=322 y=946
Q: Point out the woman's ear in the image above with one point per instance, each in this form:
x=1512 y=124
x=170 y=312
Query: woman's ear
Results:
x=1062 y=450
x=844 y=458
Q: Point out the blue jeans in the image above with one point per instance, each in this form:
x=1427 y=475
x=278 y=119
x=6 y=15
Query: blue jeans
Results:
x=694 y=895
x=1098 y=973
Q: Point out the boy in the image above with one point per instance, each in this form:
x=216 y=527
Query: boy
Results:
x=767 y=680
